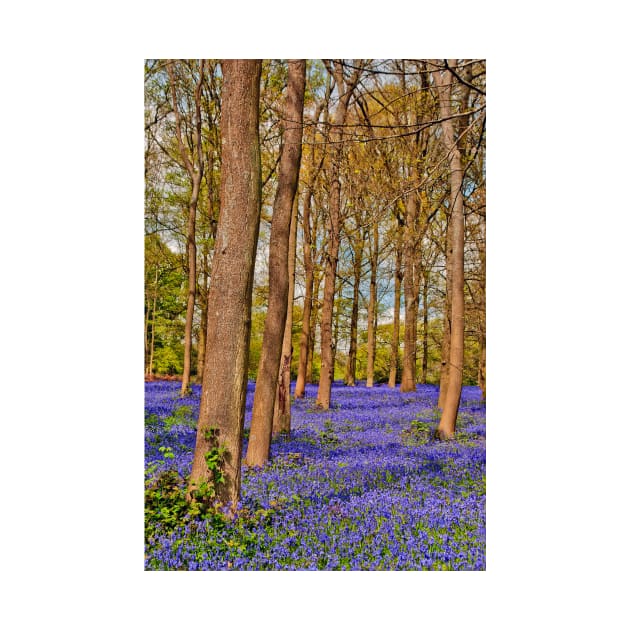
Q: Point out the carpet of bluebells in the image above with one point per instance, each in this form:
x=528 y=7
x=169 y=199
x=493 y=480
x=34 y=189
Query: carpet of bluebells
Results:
x=362 y=486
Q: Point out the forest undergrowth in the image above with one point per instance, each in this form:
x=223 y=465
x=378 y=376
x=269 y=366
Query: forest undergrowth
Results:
x=362 y=486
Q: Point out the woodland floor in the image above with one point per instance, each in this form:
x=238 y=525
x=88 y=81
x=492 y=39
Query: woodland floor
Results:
x=362 y=486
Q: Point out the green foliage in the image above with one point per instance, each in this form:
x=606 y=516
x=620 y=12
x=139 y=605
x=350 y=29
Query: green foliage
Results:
x=417 y=434
x=328 y=438
x=166 y=505
x=164 y=306
x=182 y=415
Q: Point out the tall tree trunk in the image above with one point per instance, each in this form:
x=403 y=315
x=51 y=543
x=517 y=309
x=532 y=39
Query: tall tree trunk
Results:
x=326 y=373
x=481 y=372
x=191 y=257
x=446 y=317
x=311 y=347
x=203 y=329
x=336 y=330
x=269 y=364
x=205 y=271
x=152 y=343
x=446 y=427
x=308 y=296
x=282 y=407
x=222 y=408
x=410 y=282
x=393 y=356
x=425 y=326
x=351 y=365
x=326 y=326
x=193 y=163
x=371 y=331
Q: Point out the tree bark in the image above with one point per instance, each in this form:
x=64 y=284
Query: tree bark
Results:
x=203 y=329
x=269 y=364
x=326 y=373
x=222 y=408
x=152 y=343
x=393 y=357
x=308 y=296
x=410 y=284
x=194 y=166
x=371 y=331
x=446 y=318
x=282 y=407
x=351 y=365
x=446 y=427
x=425 y=327
x=481 y=374
x=206 y=262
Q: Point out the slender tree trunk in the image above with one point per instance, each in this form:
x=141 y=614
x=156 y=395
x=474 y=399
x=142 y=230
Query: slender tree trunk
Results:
x=371 y=331
x=351 y=365
x=315 y=326
x=222 y=408
x=146 y=336
x=269 y=364
x=193 y=163
x=311 y=347
x=326 y=374
x=191 y=257
x=408 y=379
x=282 y=408
x=481 y=373
x=446 y=318
x=393 y=357
x=152 y=344
x=446 y=427
x=203 y=329
x=425 y=326
x=336 y=331
x=308 y=297
x=327 y=366
x=205 y=272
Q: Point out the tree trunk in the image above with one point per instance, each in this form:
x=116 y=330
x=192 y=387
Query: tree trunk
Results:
x=408 y=379
x=481 y=373
x=203 y=329
x=269 y=363
x=326 y=373
x=191 y=257
x=371 y=331
x=425 y=327
x=205 y=271
x=308 y=297
x=326 y=326
x=152 y=342
x=222 y=408
x=311 y=347
x=446 y=427
x=446 y=318
x=351 y=365
x=194 y=166
x=152 y=347
x=393 y=356
x=282 y=408
x=336 y=330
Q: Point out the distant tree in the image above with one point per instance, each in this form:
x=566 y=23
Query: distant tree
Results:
x=192 y=158
x=222 y=407
x=395 y=338
x=344 y=92
x=268 y=367
x=309 y=237
x=165 y=305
